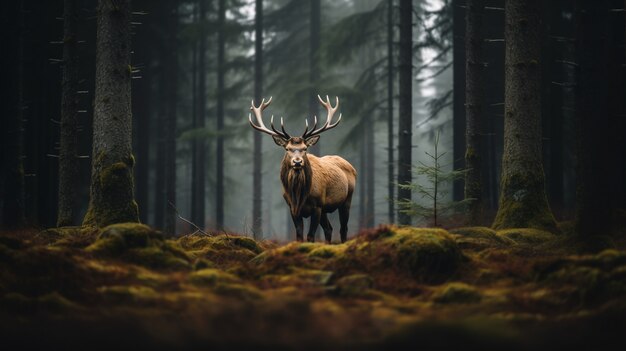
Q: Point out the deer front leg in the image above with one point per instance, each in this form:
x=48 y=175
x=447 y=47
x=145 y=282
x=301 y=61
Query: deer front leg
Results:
x=298 y=222
x=315 y=221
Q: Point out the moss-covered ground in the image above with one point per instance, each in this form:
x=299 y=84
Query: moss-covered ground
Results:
x=127 y=286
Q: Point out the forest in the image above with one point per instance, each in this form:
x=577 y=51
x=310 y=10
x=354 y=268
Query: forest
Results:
x=460 y=176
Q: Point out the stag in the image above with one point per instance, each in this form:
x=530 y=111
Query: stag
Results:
x=312 y=186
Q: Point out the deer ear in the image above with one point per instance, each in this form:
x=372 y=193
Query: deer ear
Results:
x=312 y=140
x=279 y=141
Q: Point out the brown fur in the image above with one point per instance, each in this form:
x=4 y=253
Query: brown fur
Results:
x=323 y=184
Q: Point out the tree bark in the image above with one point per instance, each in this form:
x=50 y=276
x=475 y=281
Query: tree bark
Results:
x=219 y=191
x=112 y=196
x=593 y=210
x=199 y=146
x=143 y=110
x=257 y=156
x=474 y=112
x=171 y=82
x=68 y=160
x=13 y=202
x=390 y=139
x=370 y=174
x=314 y=70
x=523 y=201
x=405 y=124
x=458 y=104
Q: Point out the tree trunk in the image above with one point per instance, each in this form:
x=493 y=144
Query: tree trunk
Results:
x=555 y=93
x=370 y=174
x=219 y=191
x=143 y=116
x=390 y=148
x=405 y=124
x=362 y=188
x=314 y=70
x=593 y=210
x=112 y=196
x=159 y=167
x=171 y=74
x=13 y=202
x=257 y=156
x=474 y=112
x=458 y=104
x=199 y=145
x=523 y=201
x=68 y=160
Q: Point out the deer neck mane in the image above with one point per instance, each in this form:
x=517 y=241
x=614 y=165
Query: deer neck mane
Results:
x=296 y=184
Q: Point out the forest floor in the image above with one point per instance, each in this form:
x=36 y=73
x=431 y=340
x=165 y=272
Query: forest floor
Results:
x=127 y=286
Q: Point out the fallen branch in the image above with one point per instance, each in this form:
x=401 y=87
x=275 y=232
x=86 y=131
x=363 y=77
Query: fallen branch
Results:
x=187 y=221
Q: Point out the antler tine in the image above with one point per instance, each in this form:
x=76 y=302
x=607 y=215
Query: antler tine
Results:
x=328 y=124
x=259 y=125
x=282 y=127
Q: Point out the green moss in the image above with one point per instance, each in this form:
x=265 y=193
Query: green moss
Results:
x=526 y=235
x=201 y=263
x=479 y=238
x=306 y=247
x=354 y=285
x=112 y=193
x=457 y=293
x=116 y=238
x=156 y=257
x=235 y=241
x=239 y=291
x=299 y=277
x=328 y=251
x=128 y=294
x=566 y=227
x=220 y=249
x=425 y=252
x=212 y=277
x=140 y=244
x=52 y=302
x=523 y=203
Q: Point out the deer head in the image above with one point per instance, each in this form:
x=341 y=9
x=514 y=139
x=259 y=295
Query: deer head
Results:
x=295 y=146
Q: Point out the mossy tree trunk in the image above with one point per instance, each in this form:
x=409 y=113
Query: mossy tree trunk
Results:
x=390 y=97
x=13 y=167
x=257 y=155
x=112 y=196
x=474 y=83
x=219 y=168
x=593 y=213
x=523 y=201
x=68 y=153
x=405 y=124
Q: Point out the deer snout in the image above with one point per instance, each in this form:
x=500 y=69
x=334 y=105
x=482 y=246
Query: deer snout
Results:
x=296 y=162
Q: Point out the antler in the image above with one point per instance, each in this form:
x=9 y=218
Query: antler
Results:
x=259 y=120
x=328 y=125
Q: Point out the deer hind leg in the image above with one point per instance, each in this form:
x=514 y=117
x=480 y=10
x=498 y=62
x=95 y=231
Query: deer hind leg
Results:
x=344 y=215
x=328 y=229
x=315 y=221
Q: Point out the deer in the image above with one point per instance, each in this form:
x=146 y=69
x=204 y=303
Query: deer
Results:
x=312 y=186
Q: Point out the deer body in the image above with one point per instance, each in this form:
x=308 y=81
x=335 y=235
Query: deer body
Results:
x=312 y=186
x=327 y=184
